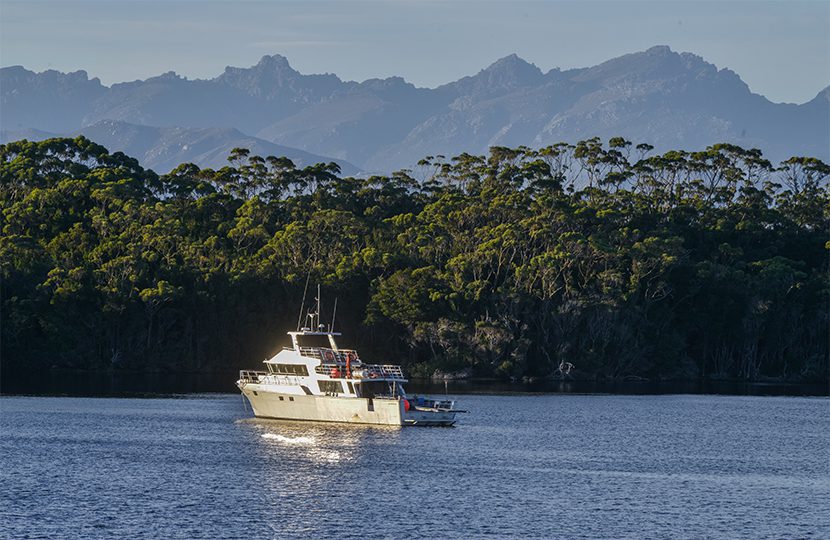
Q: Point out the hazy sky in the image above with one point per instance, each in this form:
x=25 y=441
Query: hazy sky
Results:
x=780 y=49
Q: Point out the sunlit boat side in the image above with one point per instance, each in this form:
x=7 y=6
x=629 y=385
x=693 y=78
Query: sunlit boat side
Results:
x=328 y=384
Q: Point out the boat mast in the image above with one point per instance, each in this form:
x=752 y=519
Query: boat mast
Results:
x=302 y=304
x=318 y=309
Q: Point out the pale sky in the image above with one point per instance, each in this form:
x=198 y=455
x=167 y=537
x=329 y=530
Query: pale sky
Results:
x=780 y=49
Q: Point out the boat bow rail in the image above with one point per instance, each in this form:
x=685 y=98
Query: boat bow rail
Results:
x=263 y=377
x=248 y=376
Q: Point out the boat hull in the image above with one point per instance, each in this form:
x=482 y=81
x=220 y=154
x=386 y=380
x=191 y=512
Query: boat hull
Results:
x=378 y=411
x=428 y=418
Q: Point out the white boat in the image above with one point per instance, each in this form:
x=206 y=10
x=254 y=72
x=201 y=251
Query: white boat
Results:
x=314 y=379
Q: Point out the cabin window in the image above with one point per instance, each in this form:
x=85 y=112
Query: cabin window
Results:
x=282 y=398
x=314 y=342
x=290 y=399
x=330 y=387
x=375 y=388
x=289 y=369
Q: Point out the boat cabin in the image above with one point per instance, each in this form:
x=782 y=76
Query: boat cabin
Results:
x=315 y=365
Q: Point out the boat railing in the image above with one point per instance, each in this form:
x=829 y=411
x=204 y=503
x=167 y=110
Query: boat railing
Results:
x=249 y=376
x=444 y=405
x=263 y=377
x=282 y=379
x=437 y=404
x=329 y=356
x=311 y=352
x=383 y=371
x=331 y=370
x=362 y=371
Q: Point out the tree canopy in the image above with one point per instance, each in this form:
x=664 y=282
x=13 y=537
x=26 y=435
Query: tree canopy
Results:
x=625 y=263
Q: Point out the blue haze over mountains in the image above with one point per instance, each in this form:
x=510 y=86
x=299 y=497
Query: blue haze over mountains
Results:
x=667 y=99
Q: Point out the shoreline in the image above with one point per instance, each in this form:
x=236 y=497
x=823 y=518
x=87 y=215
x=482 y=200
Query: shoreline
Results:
x=527 y=380
x=111 y=383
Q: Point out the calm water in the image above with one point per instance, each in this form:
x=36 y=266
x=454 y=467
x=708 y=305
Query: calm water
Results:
x=531 y=466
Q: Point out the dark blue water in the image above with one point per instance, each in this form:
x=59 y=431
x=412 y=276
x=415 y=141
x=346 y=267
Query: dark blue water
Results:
x=532 y=466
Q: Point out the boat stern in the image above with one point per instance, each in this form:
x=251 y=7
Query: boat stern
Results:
x=428 y=412
x=429 y=418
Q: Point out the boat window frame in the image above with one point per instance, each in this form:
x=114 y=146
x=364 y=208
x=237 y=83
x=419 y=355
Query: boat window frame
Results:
x=330 y=387
x=298 y=370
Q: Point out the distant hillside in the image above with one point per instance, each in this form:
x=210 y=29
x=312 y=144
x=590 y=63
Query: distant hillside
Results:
x=162 y=149
x=669 y=99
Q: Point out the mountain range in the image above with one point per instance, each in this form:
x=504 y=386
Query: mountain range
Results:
x=667 y=99
x=164 y=148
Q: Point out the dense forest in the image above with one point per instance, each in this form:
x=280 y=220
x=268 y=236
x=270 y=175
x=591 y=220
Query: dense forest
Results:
x=710 y=264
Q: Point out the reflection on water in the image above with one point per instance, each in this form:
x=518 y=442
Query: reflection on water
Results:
x=288 y=440
x=311 y=450
x=316 y=442
x=319 y=473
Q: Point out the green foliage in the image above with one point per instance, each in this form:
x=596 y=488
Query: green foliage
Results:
x=685 y=264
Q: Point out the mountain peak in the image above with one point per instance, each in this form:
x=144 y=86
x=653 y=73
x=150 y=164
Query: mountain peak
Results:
x=273 y=78
x=167 y=76
x=388 y=83
x=504 y=74
x=276 y=62
x=659 y=50
x=653 y=64
x=272 y=68
x=512 y=63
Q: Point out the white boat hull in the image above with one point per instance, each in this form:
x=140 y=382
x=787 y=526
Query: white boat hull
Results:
x=380 y=411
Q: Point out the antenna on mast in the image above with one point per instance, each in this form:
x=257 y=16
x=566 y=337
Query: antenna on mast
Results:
x=302 y=304
x=319 y=324
x=333 y=313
